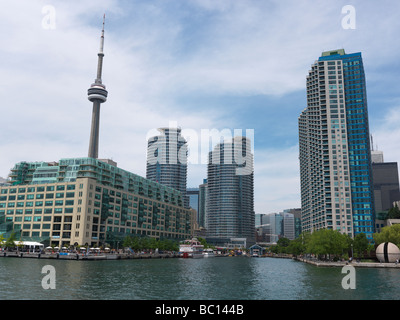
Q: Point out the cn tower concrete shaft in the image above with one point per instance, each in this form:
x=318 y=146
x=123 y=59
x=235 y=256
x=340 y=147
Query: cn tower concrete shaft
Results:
x=97 y=94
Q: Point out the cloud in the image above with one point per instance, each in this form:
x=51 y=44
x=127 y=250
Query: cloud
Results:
x=386 y=135
x=277 y=179
x=203 y=64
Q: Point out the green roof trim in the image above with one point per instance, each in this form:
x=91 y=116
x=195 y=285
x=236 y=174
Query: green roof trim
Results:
x=340 y=52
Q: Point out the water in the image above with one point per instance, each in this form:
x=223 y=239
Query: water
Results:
x=230 y=278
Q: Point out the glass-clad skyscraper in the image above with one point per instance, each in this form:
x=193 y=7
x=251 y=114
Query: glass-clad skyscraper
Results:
x=334 y=147
x=230 y=198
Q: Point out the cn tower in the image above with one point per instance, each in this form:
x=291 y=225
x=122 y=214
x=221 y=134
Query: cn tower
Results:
x=97 y=94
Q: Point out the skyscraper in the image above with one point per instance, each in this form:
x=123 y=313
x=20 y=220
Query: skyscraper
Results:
x=386 y=183
x=230 y=183
x=97 y=94
x=203 y=197
x=167 y=160
x=334 y=147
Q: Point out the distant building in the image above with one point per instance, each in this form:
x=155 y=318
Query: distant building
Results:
x=297 y=220
x=230 y=184
x=288 y=225
x=376 y=156
x=193 y=195
x=167 y=160
x=386 y=185
x=203 y=196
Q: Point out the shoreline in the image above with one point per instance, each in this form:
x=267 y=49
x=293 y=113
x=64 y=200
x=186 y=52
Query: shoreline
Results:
x=85 y=257
x=342 y=264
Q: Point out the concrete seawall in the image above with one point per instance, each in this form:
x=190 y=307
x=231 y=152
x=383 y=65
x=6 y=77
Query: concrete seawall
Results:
x=340 y=264
x=75 y=256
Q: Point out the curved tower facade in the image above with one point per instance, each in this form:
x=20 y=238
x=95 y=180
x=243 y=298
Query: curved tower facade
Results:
x=97 y=94
x=230 y=202
x=167 y=160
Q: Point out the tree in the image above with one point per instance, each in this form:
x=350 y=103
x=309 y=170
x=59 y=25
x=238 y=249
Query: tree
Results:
x=388 y=234
x=2 y=243
x=360 y=244
x=204 y=243
x=394 y=213
x=327 y=242
x=10 y=242
x=296 y=247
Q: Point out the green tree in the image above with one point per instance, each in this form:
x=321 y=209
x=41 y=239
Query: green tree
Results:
x=2 y=243
x=388 y=234
x=296 y=247
x=11 y=240
x=327 y=242
x=283 y=242
x=394 y=213
x=360 y=244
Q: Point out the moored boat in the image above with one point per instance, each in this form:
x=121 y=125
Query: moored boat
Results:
x=208 y=253
x=191 y=249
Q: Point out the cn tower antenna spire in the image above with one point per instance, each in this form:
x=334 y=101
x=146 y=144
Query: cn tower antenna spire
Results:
x=100 y=54
x=97 y=94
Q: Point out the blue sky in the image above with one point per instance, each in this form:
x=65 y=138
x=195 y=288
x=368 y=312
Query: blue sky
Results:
x=221 y=64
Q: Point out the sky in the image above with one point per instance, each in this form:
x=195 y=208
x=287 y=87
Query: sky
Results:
x=233 y=65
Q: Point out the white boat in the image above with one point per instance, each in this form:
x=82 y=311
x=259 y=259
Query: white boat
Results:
x=208 y=253
x=191 y=249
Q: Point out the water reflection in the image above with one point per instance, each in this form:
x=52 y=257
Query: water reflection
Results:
x=233 y=278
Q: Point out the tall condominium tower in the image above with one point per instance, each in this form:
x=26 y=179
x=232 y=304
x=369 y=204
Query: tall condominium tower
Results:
x=230 y=197
x=334 y=147
x=97 y=94
x=167 y=160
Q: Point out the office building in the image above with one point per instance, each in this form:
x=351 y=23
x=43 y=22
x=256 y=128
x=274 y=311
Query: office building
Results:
x=288 y=226
x=386 y=185
x=167 y=160
x=334 y=147
x=230 y=184
x=203 y=196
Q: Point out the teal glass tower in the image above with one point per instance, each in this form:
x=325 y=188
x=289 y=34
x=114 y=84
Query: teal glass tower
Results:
x=334 y=144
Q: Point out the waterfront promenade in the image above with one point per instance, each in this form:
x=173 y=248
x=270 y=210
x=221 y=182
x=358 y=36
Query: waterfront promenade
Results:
x=83 y=256
x=341 y=264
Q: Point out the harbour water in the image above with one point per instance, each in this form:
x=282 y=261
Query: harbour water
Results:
x=228 y=278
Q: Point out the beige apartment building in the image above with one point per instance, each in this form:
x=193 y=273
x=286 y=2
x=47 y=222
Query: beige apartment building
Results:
x=86 y=211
